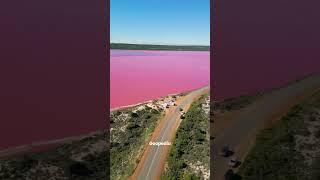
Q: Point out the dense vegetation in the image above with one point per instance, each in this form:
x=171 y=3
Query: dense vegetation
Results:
x=157 y=47
x=190 y=149
x=130 y=131
x=59 y=163
x=282 y=152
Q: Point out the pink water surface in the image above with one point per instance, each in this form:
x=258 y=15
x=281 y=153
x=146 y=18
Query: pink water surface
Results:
x=260 y=45
x=138 y=76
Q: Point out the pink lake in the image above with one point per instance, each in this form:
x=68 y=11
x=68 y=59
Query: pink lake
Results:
x=140 y=75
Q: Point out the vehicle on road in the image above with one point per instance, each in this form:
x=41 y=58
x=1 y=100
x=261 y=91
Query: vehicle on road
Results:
x=226 y=152
x=234 y=162
x=182 y=116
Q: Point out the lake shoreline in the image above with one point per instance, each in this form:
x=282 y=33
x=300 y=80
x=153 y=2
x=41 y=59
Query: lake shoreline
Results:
x=44 y=145
x=155 y=99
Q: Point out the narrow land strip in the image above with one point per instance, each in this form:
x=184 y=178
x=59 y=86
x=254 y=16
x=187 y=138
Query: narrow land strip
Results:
x=240 y=135
x=153 y=159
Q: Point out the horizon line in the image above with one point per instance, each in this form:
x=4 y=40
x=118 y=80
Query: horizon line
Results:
x=167 y=44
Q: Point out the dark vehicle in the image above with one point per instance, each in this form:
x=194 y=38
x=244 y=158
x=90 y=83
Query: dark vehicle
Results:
x=167 y=106
x=234 y=162
x=183 y=115
x=229 y=175
x=226 y=152
x=181 y=109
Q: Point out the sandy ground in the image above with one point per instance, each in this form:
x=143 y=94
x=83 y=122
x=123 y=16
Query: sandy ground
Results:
x=149 y=101
x=171 y=121
x=238 y=129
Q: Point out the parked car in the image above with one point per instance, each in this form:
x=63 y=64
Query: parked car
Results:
x=234 y=162
x=225 y=151
x=182 y=116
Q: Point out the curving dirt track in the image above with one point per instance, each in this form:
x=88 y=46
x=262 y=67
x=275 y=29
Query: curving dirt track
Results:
x=153 y=159
x=240 y=134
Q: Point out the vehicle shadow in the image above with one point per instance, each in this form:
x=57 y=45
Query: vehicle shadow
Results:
x=230 y=175
x=229 y=153
x=236 y=177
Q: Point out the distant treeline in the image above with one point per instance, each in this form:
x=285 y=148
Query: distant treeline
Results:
x=158 y=47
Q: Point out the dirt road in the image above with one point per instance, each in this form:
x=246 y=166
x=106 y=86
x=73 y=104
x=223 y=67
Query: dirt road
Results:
x=240 y=135
x=153 y=159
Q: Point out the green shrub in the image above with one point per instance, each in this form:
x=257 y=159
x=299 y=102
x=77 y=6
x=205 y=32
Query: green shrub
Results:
x=190 y=144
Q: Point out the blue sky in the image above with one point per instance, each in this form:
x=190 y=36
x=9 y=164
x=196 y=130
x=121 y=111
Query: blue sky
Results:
x=178 y=22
